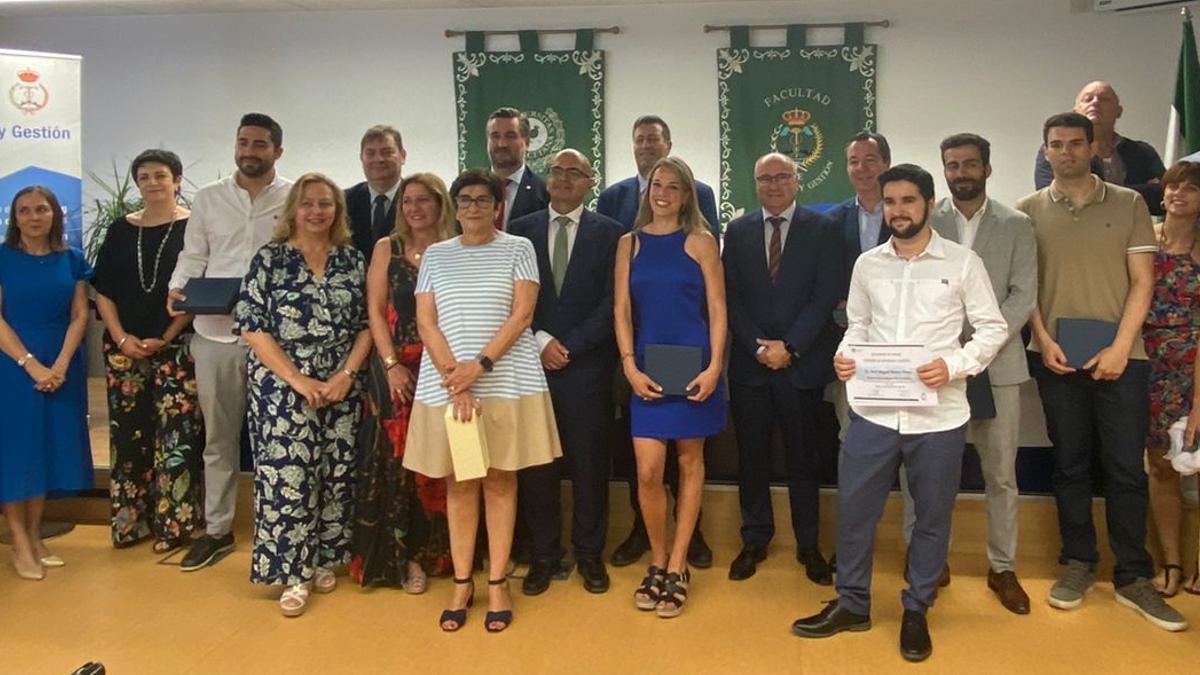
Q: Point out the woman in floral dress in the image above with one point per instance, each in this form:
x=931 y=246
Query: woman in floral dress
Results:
x=302 y=310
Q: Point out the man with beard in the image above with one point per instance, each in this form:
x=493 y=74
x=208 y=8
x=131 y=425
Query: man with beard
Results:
x=371 y=205
x=231 y=219
x=1003 y=238
x=507 y=143
x=1116 y=159
x=918 y=288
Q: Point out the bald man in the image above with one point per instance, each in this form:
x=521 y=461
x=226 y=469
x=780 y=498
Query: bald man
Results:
x=573 y=326
x=781 y=286
x=1119 y=160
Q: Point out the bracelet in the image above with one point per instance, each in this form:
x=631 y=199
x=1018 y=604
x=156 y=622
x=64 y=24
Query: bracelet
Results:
x=121 y=342
x=349 y=373
x=390 y=362
x=24 y=359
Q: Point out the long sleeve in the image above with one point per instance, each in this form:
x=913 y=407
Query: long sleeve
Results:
x=193 y=259
x=983 y=313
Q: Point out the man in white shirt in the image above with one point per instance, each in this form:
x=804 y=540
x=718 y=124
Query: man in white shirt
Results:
x=231 y=219
x=918 y=288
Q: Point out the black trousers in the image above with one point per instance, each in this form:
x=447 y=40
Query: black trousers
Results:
x=584 y=426
x=1109 y=420
x=755 y=412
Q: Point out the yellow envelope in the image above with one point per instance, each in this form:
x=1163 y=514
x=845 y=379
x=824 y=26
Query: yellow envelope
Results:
x=468 y=446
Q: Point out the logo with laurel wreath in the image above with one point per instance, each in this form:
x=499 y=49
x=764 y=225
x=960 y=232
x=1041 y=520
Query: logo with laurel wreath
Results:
x=799 y=138
x=547 y=136
x=29 y=95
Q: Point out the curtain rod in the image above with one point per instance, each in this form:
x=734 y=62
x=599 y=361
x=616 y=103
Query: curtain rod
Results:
x=710 y=28
x=550 y=31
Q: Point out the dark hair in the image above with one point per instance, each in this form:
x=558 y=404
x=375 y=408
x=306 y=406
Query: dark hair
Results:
x=912 y=174
x=1071 y=120
x=512 y=114
x=380 y=131
x=959 y=140
x=478 y=177
x=13 y=236
x=265 y=122
x=885 y=150
x=1183 y=172
x=157 y=156
x=653 y=119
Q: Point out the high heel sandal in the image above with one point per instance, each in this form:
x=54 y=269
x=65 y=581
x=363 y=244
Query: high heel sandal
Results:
x=503 y=617
x=647 y=595
x=35 y=572
x=324 y=580
x=458 y=616
x=294 y=600
x=674 y=596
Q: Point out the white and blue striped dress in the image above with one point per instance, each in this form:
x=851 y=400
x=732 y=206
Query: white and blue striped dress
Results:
x=473 y=290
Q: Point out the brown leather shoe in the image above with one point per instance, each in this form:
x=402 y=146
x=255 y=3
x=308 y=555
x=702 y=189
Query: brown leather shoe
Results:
x=1009 y=590
x=944 y=579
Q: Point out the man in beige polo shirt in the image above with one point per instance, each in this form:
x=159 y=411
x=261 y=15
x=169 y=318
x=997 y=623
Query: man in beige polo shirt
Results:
x=1095 y=261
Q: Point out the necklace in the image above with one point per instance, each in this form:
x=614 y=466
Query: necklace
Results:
x=157 y=257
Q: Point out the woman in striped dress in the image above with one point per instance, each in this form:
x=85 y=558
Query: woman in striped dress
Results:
x=475 y=299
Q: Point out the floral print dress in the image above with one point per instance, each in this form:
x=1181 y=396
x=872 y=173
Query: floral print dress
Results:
x=1170 y=334
x=304 y=458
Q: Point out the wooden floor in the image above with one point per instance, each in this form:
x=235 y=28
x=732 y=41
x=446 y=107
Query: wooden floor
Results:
x=136 y=616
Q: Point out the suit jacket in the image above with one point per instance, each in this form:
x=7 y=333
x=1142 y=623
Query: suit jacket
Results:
x=531 y=196
x=359 y=211
x=1007 y=245
x=846 y=216
x=582 y=316
x=1143 y=169
x=620 y=202
x=798 y=309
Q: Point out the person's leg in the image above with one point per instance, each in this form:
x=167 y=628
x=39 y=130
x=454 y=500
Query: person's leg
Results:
x=934 y=462
x=996 y=441
x=500 y=497
x=909 y=518
x=462 y=513
x=687 y=499
x=338 y=463
x=17 y=515
x=867 y=466
x=1166 y=508
x=586 y=451
x=131 y=437
x=540 y=505
x=35 y=508
x=221 y=388
x=178 y=446
x=796 y=410
x=1122 y=415
x=752 y=417
x=651 y=458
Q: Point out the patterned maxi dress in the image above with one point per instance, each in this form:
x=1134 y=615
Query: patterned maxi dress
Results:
x=304 y=458
x=1170 y=335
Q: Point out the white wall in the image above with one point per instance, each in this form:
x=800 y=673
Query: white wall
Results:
x=998 y=67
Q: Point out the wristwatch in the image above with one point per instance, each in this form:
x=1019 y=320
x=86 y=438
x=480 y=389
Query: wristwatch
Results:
x=24 y=359
x=485 y=362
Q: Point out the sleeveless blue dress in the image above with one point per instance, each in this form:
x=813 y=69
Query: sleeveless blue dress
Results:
x=670 y=307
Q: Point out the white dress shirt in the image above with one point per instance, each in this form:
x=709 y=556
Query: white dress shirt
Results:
x=390 y=196
x=968 y=228
x=786 y=225
x=510 y=192
x=925 y=300
x=224 y=232
x=544 y=338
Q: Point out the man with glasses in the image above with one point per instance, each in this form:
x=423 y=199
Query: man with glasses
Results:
x=507 y=143
x=781 y=288
x=371 y=205
x=573 y=327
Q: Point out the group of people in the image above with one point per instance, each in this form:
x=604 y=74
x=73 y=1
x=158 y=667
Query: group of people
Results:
x=368 y=317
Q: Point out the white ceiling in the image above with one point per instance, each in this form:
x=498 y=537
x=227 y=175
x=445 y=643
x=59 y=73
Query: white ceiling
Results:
x=96 y=7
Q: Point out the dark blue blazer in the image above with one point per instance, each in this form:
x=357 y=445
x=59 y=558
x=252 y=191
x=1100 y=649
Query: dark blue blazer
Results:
x=531 y=195
x=582 y=317
x=358 y=211
x=620 y=202
x=846 y=216
x=798 y=309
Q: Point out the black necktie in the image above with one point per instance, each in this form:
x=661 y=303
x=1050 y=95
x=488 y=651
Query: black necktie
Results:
x=379 y=216
x=775 y=248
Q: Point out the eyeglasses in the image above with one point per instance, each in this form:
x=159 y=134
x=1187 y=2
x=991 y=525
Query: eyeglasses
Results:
x=776 y=178
x=570 y=174
x=464 y=202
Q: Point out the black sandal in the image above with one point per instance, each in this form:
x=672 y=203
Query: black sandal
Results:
x=458 y=616
x=647 y=595
x=1166 y=572
x=503 y=617
x=674 y=596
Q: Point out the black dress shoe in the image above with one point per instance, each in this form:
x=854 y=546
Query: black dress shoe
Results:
x=831 y=621
x=633 y=548
x=746 y=563
x=699 y=554
x=205 y=551
x=915 y=644
x=815 y=568
x=594 y=575
x=537 y=579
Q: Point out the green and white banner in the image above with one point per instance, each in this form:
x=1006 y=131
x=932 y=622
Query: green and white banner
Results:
x=803 y=101
x=562 y=92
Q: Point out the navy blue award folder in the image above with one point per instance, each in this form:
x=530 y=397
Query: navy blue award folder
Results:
x=1081 y=339
x=673 y=367
x=979 y=397
x=210 y=295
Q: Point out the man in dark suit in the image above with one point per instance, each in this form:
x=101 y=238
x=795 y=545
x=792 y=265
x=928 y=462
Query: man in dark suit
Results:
x=781 y=288
x=573 y=326
x=620 y=201
x=651 y=142
x=507 y=142
x=371 y=205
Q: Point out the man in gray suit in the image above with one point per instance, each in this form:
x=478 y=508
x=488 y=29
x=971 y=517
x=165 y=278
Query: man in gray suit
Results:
x=1003 y=237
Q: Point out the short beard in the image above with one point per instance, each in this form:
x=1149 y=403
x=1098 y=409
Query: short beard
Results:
x=966 y=195
x=254 y=168
x=912 y=231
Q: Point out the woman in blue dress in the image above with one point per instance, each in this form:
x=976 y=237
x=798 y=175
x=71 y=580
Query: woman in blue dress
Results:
x=669 y=289
x=44 y=447
x=303 y=312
